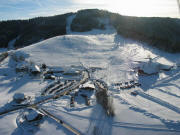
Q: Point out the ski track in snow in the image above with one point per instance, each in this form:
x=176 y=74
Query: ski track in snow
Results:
x=159 y=101
x=173 y=126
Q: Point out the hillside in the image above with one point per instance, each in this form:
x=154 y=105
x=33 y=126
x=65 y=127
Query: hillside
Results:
x=143 y=104
x=25 y=32
x=162 y=33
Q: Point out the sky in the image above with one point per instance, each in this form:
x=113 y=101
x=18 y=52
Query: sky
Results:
x=24 y=9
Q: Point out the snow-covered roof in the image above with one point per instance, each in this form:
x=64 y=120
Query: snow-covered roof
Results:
x=35 y=68
x=88 y=84
x=163 y=66
x=151 y=67
x=19 y=96
x=31 y=115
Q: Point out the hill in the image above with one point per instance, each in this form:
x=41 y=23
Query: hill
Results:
x=162 y=33
x=149 y=105
x=26 y=32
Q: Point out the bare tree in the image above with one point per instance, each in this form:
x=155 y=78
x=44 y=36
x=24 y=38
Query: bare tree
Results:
x=104 y=99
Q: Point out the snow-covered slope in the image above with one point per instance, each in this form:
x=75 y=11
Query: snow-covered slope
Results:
x=155 y=110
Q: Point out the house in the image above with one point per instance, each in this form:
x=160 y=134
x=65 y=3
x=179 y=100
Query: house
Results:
x=19 y=97
x=32 y=115
x=152 y=67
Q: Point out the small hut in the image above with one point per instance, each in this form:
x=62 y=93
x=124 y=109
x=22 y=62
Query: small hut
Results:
x=152 y=67
x=19 y=97
x=32 y=115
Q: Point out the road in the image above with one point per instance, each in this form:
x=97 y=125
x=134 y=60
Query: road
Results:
x=85 y=77
x=65 y=125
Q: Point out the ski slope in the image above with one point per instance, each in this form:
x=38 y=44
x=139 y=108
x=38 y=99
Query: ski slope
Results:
x=155 y=110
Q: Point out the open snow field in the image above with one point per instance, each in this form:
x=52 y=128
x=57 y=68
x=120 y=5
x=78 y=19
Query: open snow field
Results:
x=154 y=111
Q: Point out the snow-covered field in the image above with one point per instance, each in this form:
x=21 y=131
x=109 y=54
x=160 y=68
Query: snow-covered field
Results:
x=155 y=110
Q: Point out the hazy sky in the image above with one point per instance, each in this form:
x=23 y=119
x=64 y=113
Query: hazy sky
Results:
x=23 y=9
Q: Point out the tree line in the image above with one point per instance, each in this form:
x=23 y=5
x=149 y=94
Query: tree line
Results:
x=162 y=33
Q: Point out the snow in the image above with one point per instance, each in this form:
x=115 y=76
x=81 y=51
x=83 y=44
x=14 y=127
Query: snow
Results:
x=12 y=42
x=49 y=127
x=8 y=124
x=155 y=110
x=69 y=21
x=22 y=65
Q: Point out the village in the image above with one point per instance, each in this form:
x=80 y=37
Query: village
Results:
x=71 y=82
